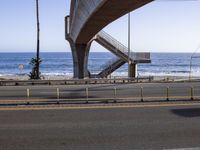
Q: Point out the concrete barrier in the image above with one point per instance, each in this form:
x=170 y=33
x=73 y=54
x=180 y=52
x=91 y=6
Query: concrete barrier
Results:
x=72 y=81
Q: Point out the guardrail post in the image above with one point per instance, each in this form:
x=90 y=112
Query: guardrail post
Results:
x=192 y=93
x=141 y=92
x=58 y=95
x=167 y=94
x=28 y=95
x=87 y=94
x=115 y=94
x=150 y=78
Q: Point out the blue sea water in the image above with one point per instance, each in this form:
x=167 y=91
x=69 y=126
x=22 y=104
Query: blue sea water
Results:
x=163 y=64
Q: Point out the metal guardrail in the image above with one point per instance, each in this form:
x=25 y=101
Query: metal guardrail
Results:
x=111 y=94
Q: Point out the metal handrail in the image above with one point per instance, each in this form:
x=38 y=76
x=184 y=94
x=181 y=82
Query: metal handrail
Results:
x=113 y=41
x=109 y=63
x=135 y=56
x=140 y=56
x=120 y=47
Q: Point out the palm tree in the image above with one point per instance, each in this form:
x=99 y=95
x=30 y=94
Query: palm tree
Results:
x=35 y=62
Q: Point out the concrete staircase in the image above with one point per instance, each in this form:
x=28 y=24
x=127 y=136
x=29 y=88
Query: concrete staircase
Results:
x=121 y=51
x=110 y=67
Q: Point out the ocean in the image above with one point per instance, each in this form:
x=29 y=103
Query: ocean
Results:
x=163 y=64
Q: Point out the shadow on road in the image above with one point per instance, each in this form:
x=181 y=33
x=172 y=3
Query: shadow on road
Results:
x=187 y=112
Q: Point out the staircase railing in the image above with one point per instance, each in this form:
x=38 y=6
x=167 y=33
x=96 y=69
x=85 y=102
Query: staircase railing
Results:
x=110 y=66
x=140 y=55
x=109 y=63
x=119 y=46
x=113 y=64
x=113 y=41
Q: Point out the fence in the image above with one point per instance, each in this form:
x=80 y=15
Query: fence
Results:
x=129 y=93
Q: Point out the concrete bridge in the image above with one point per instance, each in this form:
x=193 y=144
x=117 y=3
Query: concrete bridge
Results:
x=87 y=18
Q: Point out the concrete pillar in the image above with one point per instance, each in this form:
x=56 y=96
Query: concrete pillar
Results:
x=80 y=53
x=132 y=71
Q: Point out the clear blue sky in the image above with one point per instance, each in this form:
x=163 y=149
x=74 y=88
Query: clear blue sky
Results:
x=160 y=26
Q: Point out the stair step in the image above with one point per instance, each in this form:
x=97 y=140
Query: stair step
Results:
x=121 y=51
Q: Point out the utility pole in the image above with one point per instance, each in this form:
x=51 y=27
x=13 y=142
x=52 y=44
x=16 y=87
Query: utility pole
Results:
x=38 y=42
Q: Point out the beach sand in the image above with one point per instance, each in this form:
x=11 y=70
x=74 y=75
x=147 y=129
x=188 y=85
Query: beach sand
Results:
x=26 y=77
x=67 y=77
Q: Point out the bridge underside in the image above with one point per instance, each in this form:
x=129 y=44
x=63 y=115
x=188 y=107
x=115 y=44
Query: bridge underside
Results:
x=106 y=12
x=87 y=18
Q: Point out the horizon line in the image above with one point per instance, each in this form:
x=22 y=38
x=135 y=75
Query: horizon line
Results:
x=92 y=52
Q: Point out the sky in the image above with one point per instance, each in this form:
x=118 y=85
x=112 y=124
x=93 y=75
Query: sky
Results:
x=161 y=26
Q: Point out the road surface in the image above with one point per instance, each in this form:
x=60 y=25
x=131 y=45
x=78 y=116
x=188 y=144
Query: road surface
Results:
x=145 y=126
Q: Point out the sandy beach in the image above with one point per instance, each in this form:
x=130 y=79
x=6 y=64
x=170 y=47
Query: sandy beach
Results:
x=44 y=77
x=67 y=77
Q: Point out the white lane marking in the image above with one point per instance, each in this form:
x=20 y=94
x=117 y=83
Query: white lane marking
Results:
x=194 y=148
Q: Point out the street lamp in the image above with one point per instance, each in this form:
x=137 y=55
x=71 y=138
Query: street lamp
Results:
x=38 y=42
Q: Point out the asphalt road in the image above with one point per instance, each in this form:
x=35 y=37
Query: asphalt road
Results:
x=132 y=91
x=154 y=127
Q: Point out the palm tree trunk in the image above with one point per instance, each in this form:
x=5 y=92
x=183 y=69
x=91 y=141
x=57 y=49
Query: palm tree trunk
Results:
x=38 y=41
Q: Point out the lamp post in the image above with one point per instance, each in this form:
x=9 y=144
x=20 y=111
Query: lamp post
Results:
x=38 y=42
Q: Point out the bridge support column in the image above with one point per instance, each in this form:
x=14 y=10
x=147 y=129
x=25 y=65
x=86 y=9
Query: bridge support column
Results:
x=132 y=73
x=80 y=53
